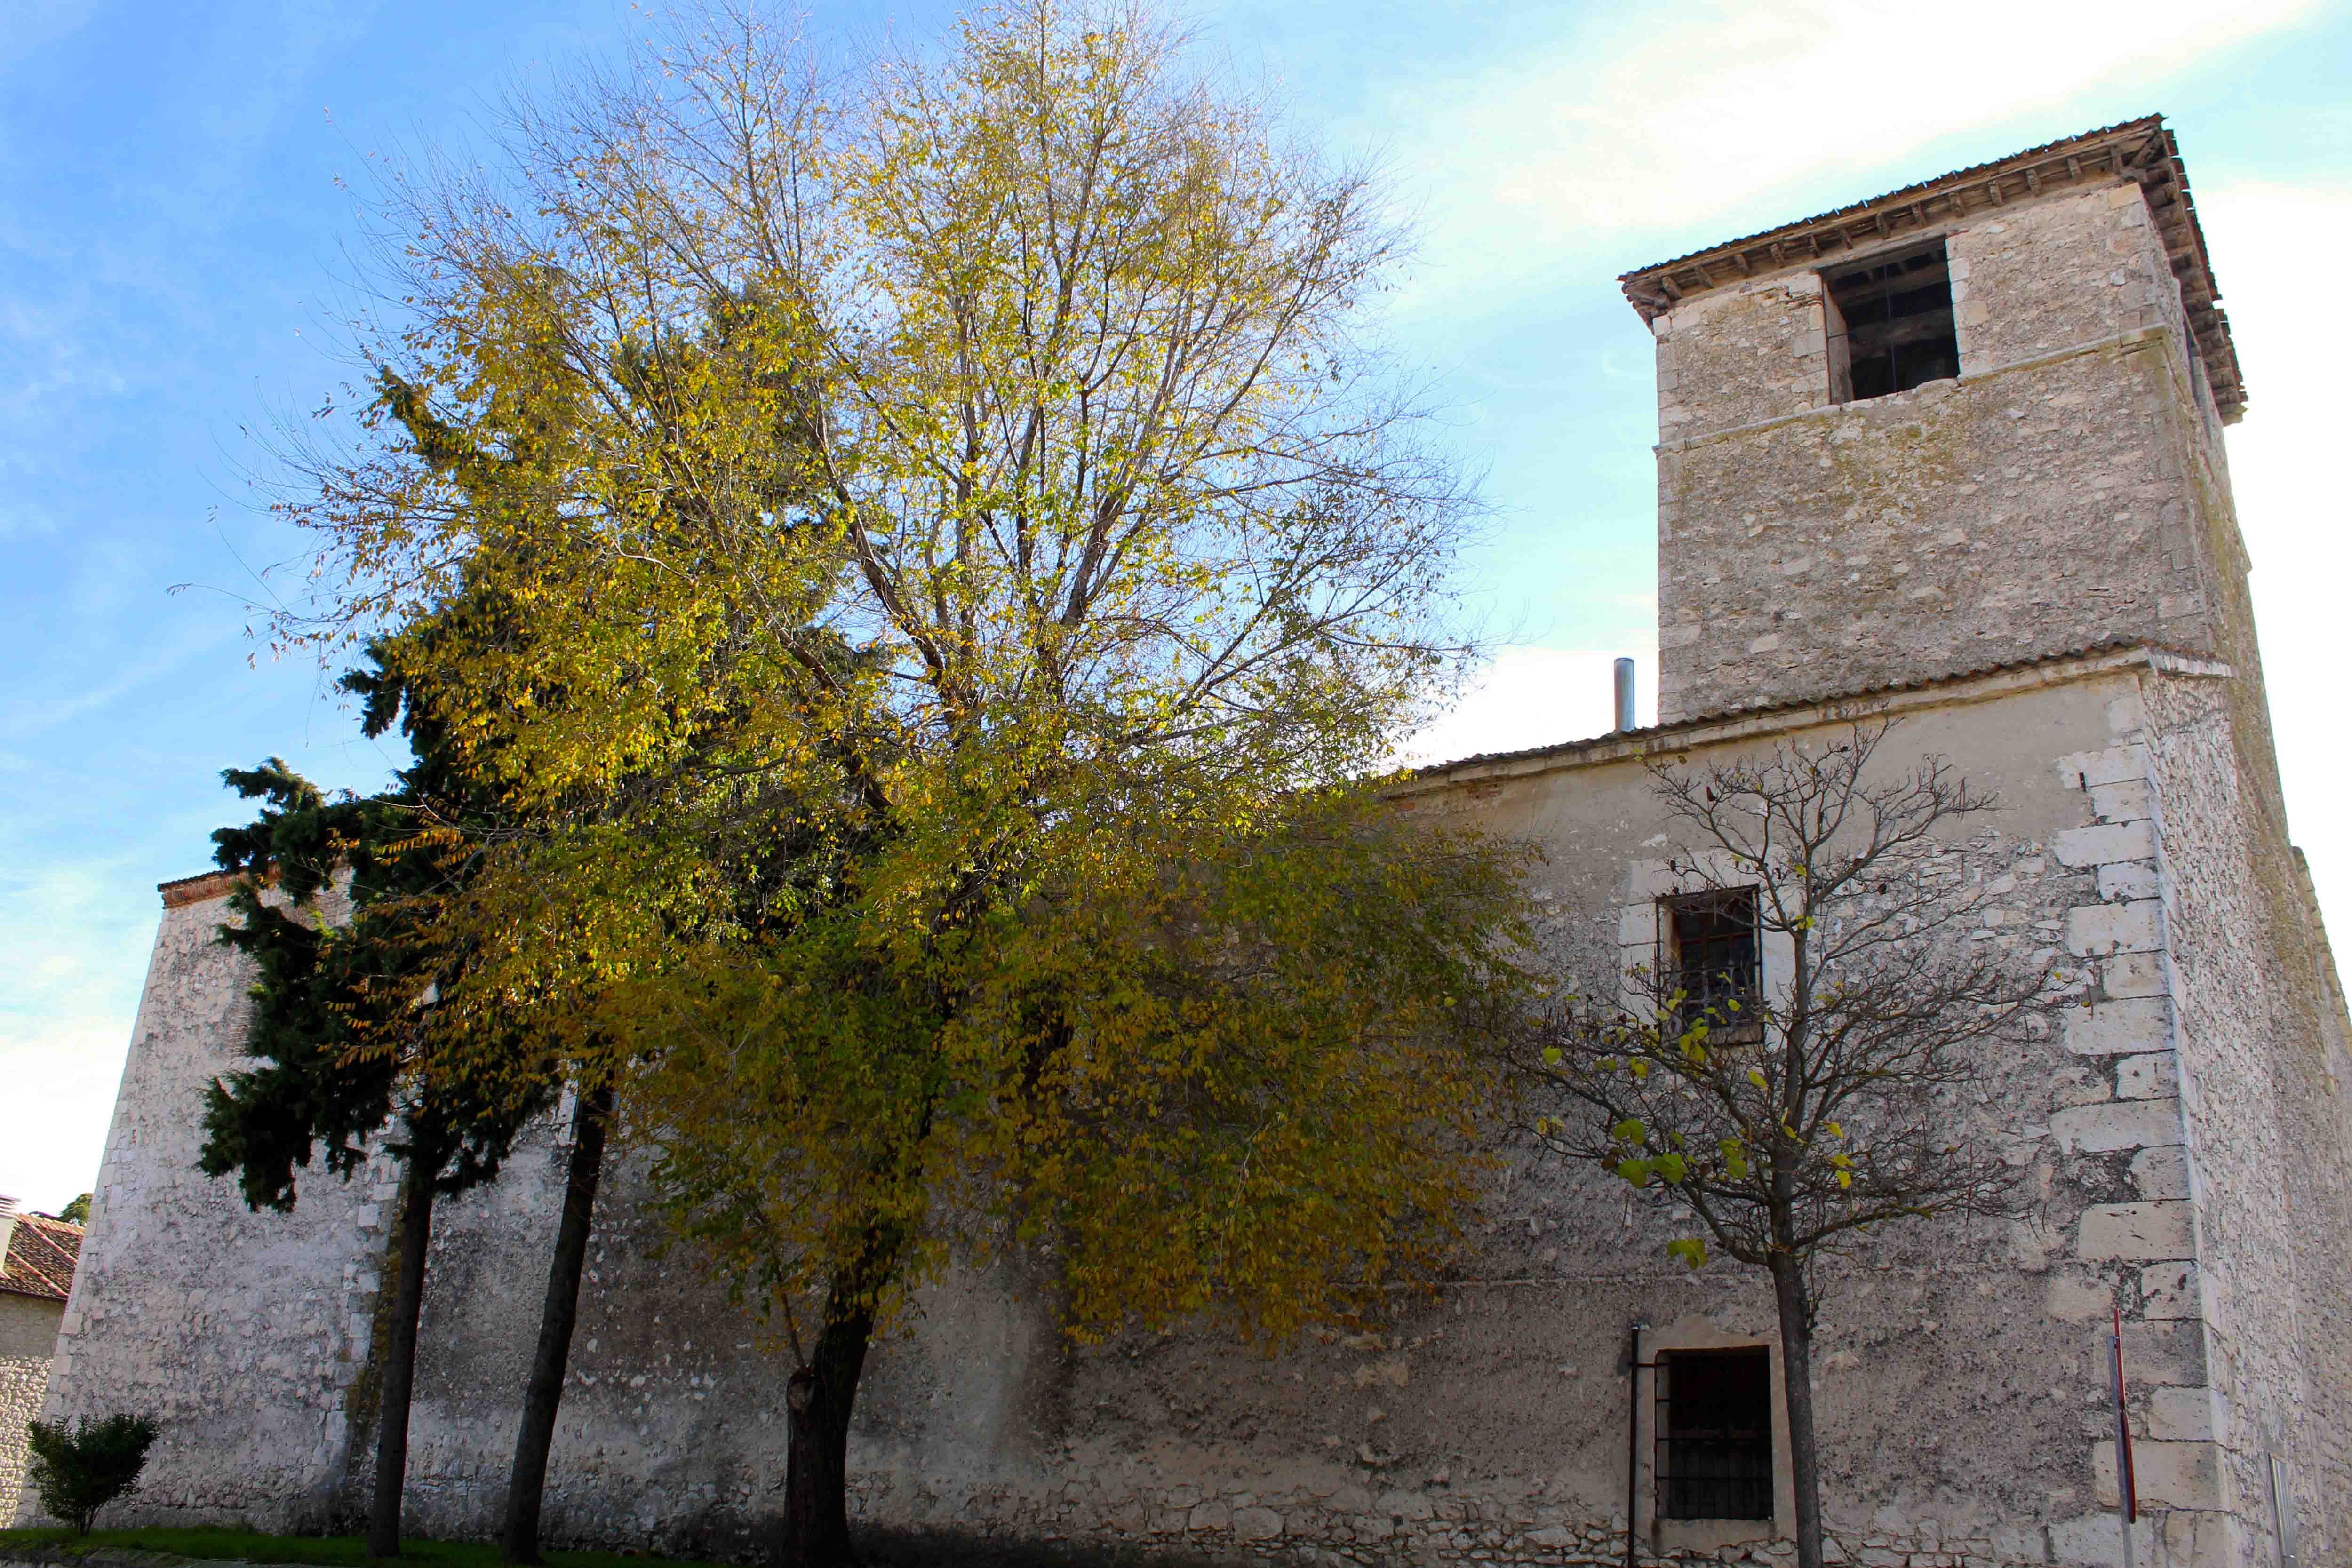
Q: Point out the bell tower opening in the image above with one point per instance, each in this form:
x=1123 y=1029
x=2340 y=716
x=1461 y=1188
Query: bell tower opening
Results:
x=1889 y=324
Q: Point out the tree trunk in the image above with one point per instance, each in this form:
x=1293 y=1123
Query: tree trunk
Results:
x=1797 y=1372
x=820 y=1397
x=400 y=1357
x=527 y=1483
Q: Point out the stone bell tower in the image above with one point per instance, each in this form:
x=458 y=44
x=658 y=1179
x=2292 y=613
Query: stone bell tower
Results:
x=1970 y=421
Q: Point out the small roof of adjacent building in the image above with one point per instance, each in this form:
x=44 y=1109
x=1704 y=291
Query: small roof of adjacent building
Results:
x=2141 y=150
x=42 y=1253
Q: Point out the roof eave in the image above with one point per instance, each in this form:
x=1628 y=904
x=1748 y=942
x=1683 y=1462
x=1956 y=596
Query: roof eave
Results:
x=1832 y=707
x=2142 y=149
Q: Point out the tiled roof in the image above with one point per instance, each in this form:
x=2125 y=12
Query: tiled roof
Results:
x=198 y=889
x=2143 y=150
x=1723 y=715
x=42 y=1253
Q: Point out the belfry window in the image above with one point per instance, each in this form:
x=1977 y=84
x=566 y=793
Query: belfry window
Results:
x=1714 y=1434
x=1710 y=956
x=1890 y=324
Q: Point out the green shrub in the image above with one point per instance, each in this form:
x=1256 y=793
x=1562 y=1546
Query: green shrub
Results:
x=77 y=1471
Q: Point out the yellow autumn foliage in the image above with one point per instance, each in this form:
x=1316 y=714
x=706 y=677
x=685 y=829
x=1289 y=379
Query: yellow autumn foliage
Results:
x=934 y=552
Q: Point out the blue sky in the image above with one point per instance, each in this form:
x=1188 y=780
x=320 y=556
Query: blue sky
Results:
x=170 y=222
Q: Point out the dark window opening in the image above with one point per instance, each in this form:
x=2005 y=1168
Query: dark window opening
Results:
x=1712 y=957
x=1890 y=325
x=1714 y=1434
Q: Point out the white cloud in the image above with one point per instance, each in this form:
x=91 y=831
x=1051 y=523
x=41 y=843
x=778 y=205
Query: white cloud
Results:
x=1628 y=129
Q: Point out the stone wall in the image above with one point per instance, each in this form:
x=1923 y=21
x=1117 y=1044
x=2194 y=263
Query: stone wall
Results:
x=1959 y=1381
x=2267 y=1086
x=244 y=1334
x=28 y=1334
x=2066 y=490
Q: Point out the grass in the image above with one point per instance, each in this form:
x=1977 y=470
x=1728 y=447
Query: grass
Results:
x=224 y=1543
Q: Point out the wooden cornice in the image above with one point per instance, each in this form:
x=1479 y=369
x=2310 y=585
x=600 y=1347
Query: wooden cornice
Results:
x=2143 y=150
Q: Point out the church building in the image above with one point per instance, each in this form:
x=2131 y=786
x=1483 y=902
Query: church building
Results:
x=1951 y=456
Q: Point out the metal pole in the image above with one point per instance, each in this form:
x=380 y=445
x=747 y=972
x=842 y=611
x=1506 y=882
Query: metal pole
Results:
x=2127 y=1488
x=1625 y=696
x=1632 y=1399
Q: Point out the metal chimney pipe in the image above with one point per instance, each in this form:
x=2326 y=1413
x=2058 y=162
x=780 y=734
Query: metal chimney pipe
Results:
x=1624 y=696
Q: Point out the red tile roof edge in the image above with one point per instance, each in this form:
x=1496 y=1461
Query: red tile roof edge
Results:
x=201 y=888
x=44 y=1268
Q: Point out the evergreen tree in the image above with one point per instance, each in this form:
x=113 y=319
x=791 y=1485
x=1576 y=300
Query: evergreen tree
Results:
x=334 y=909
x=76 y=1471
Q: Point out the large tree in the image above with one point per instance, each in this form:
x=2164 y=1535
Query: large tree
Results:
x=968 y=531
x=1808 y=1072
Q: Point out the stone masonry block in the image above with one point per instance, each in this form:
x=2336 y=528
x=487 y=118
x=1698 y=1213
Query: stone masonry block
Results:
x=2164 y=1475
x=2169 y=1291
x=2201 y=1535
x=2117 y=1124
x=2120 y=1029
x=2169 y=1353
x=2180 y=1414
x=2075 y=1295
x=2093 y=930
x=2088 y=769
x=1256 y=1523
x=2153 y=1231
x=2094 y=1541
x=1647 y=879
x=2133 y=974
x=2128 y=800
x=2104 y=841
x=2161 y=1173
x=2120 y=880
x=2149 y=1077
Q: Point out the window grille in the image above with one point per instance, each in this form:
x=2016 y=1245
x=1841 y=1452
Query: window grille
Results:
x=1714 y=1434
x=1713 y=957
x=1890 y=325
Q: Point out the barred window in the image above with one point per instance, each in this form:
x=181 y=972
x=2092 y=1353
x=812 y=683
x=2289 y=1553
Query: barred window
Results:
x=1712 y=956
x=1714 y=1434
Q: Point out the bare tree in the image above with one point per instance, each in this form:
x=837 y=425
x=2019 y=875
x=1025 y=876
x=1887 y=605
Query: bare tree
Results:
x=1798 y=1066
